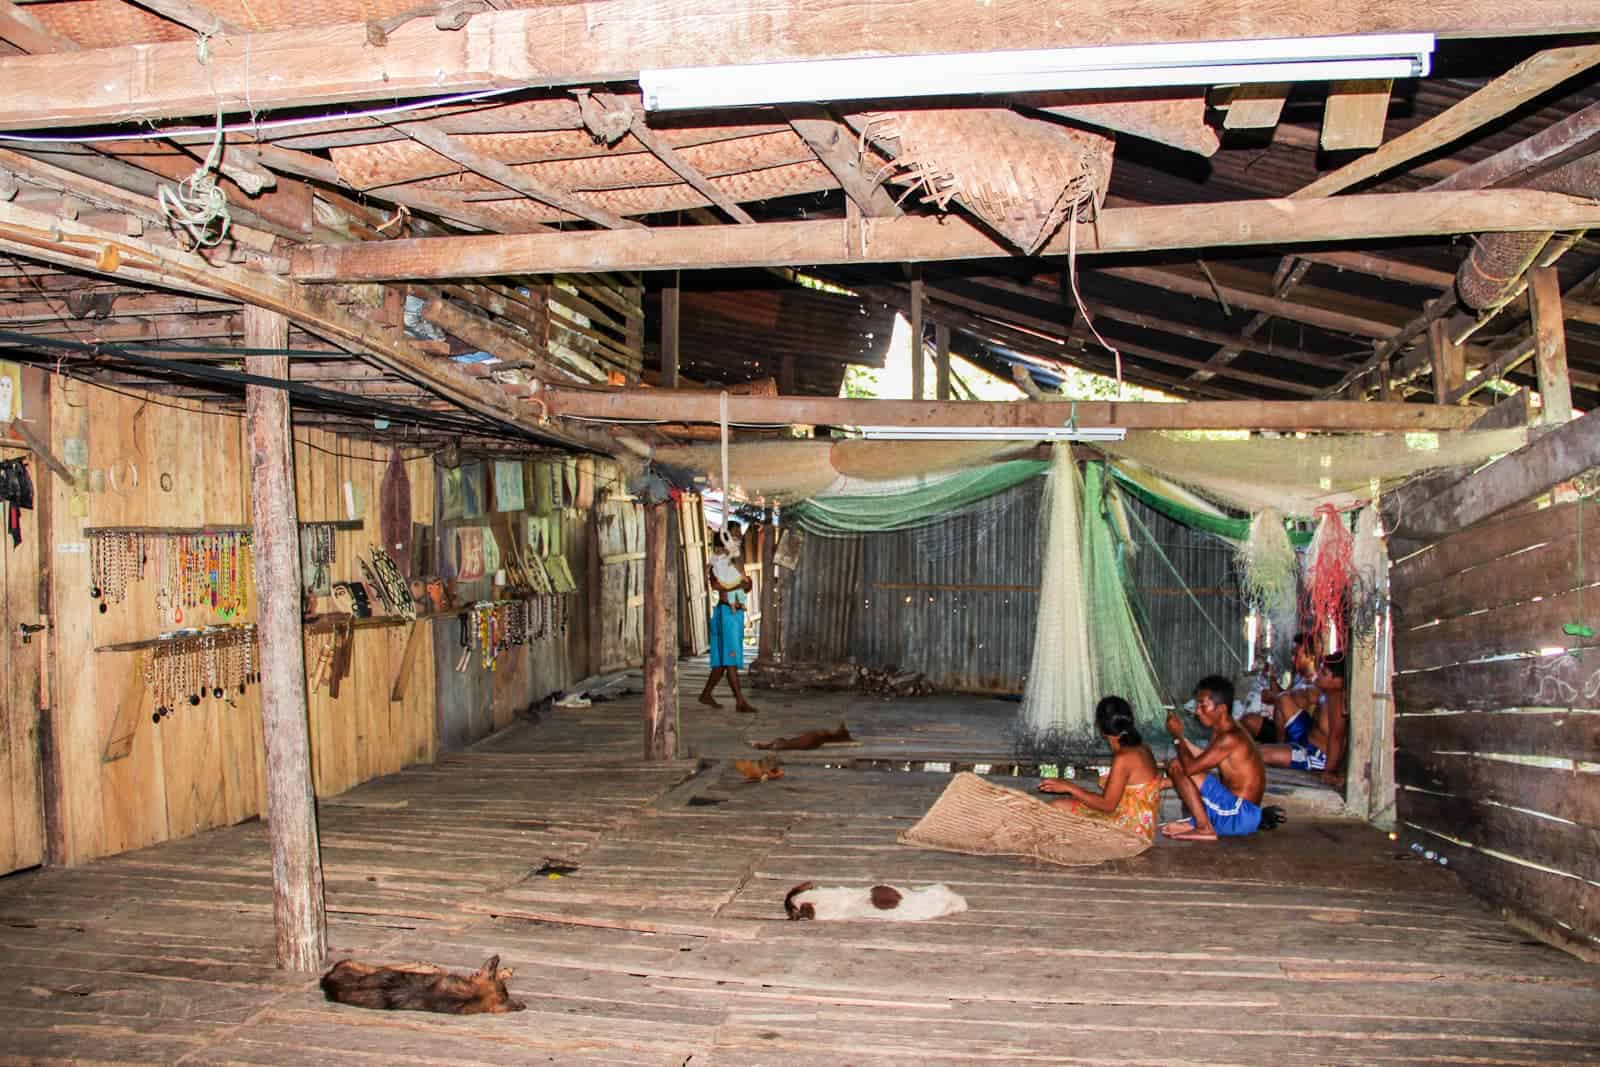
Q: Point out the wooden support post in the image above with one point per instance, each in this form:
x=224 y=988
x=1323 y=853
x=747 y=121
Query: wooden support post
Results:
x=941 y=344
x=916 y=334
x=1362 y=736
x=767 y=640
x=669 y=333
x=594 y=581
x=1550 y=337
x=1449 y=361
x=297 y=904
x=660 y=631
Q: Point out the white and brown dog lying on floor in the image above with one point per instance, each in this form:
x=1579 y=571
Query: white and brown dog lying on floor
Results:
x=885 y=902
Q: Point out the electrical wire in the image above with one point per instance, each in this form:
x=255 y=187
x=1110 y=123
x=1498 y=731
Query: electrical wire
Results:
x=313 y=397
x=271 y=124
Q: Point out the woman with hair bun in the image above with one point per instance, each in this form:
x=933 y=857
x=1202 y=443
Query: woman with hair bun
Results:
x=1132 y=787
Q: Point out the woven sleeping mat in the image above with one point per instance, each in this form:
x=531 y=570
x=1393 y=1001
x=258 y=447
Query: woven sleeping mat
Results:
x=980 y=818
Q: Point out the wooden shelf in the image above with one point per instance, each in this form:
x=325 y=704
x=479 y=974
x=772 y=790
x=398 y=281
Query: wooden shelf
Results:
x=179 y=531
x=325 y=623
x=318 y=624
x=184 y=635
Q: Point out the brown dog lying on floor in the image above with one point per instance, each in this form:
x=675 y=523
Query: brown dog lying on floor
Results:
x=810 y=739
x=421 y=987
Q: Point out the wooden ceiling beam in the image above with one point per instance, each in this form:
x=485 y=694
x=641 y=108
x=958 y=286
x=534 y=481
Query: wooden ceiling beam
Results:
x=1201 y=289
x=834 y=144
x=140 y=329
x=666 y=153
x=609 y=40
x=104 y=305
x=1391 y=270
x=921 y=239
x=701 y=406
x=1522 y=83
x=197 y=17
x=501 y=174
x=83 y=248
x=1049 y=294
x=23 y=29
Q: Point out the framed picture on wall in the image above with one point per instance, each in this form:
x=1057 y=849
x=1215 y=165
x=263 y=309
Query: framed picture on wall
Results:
x=472 y=487
x=508 y=486
x=451 y=503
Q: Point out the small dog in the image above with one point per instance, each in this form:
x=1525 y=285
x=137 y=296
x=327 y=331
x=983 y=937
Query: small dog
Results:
x=806 y=901
x=421 y=987
x=809 y=740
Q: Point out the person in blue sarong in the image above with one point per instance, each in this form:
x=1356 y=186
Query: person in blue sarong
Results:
x=727 y=622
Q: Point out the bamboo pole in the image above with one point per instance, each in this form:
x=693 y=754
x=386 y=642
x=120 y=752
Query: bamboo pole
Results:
x=298 y=914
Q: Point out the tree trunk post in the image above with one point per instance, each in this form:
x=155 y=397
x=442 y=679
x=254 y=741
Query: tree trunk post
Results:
x=660 y=632
x=297 y=903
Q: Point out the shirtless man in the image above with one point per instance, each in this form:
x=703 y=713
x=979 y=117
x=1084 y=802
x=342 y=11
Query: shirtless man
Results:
x=1314 y=724
x=1227 y=803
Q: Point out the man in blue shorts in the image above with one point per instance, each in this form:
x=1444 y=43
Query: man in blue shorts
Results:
x=1227 y=803
x=727 y=635
x=1315 y=727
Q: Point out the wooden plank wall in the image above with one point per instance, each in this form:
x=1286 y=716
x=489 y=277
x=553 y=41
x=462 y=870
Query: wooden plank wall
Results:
x=1497 y=745
x=694 y=598
x=22 y=842
x=598 y=318
x=475 y=702
x=202 y=767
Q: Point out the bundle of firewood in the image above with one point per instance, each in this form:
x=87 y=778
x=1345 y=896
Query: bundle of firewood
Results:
x=802 y=675
x=892 y=682
x=886 y=681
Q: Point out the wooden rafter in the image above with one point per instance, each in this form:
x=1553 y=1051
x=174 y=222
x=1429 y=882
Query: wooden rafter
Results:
x=663 y=151
x=916 y=239
x=606 y=40
x=93 y=251
x=1516 y=87
x=197 y=17
x=497 y=171
x=701 y=406
x=25 y=31
x=833 y=142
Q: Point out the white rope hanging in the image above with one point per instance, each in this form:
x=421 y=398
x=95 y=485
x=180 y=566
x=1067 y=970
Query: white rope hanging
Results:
x=196 y=203
x=722 y=425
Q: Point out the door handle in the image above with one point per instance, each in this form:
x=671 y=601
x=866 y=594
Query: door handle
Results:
x=27 y=630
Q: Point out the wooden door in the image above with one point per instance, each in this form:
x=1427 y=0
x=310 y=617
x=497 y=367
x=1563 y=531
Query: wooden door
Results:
x=621 y=531
x=21 y=793
x=694 y=605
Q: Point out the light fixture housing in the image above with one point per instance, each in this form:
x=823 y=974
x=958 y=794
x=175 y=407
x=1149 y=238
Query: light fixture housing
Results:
x=1288 y=59
x=993 y=433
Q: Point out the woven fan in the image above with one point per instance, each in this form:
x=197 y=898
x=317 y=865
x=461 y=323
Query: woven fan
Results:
x=1023 y=177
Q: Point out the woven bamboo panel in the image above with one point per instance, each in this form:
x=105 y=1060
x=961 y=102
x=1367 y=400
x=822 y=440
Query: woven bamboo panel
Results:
x=982 y=819
x=391 y=162
x=795 y=179
x=635 y=169
x=1022 y=176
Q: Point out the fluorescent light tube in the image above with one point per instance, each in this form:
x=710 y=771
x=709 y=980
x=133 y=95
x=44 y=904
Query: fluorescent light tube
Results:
x=993 y=433
x=1393 y=55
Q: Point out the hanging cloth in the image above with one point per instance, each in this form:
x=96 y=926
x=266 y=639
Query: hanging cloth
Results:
x=394 y=512
x=16 y=490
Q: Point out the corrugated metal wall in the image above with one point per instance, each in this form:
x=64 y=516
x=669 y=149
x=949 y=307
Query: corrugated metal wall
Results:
x=958 y=600
x=1189 y=637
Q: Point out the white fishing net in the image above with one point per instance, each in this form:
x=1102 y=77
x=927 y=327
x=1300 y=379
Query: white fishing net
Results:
x=1296 y=474
x=1059 y=696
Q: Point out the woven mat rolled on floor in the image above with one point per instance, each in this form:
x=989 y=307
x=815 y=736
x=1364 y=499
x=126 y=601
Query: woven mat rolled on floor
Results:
x=980 y=818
